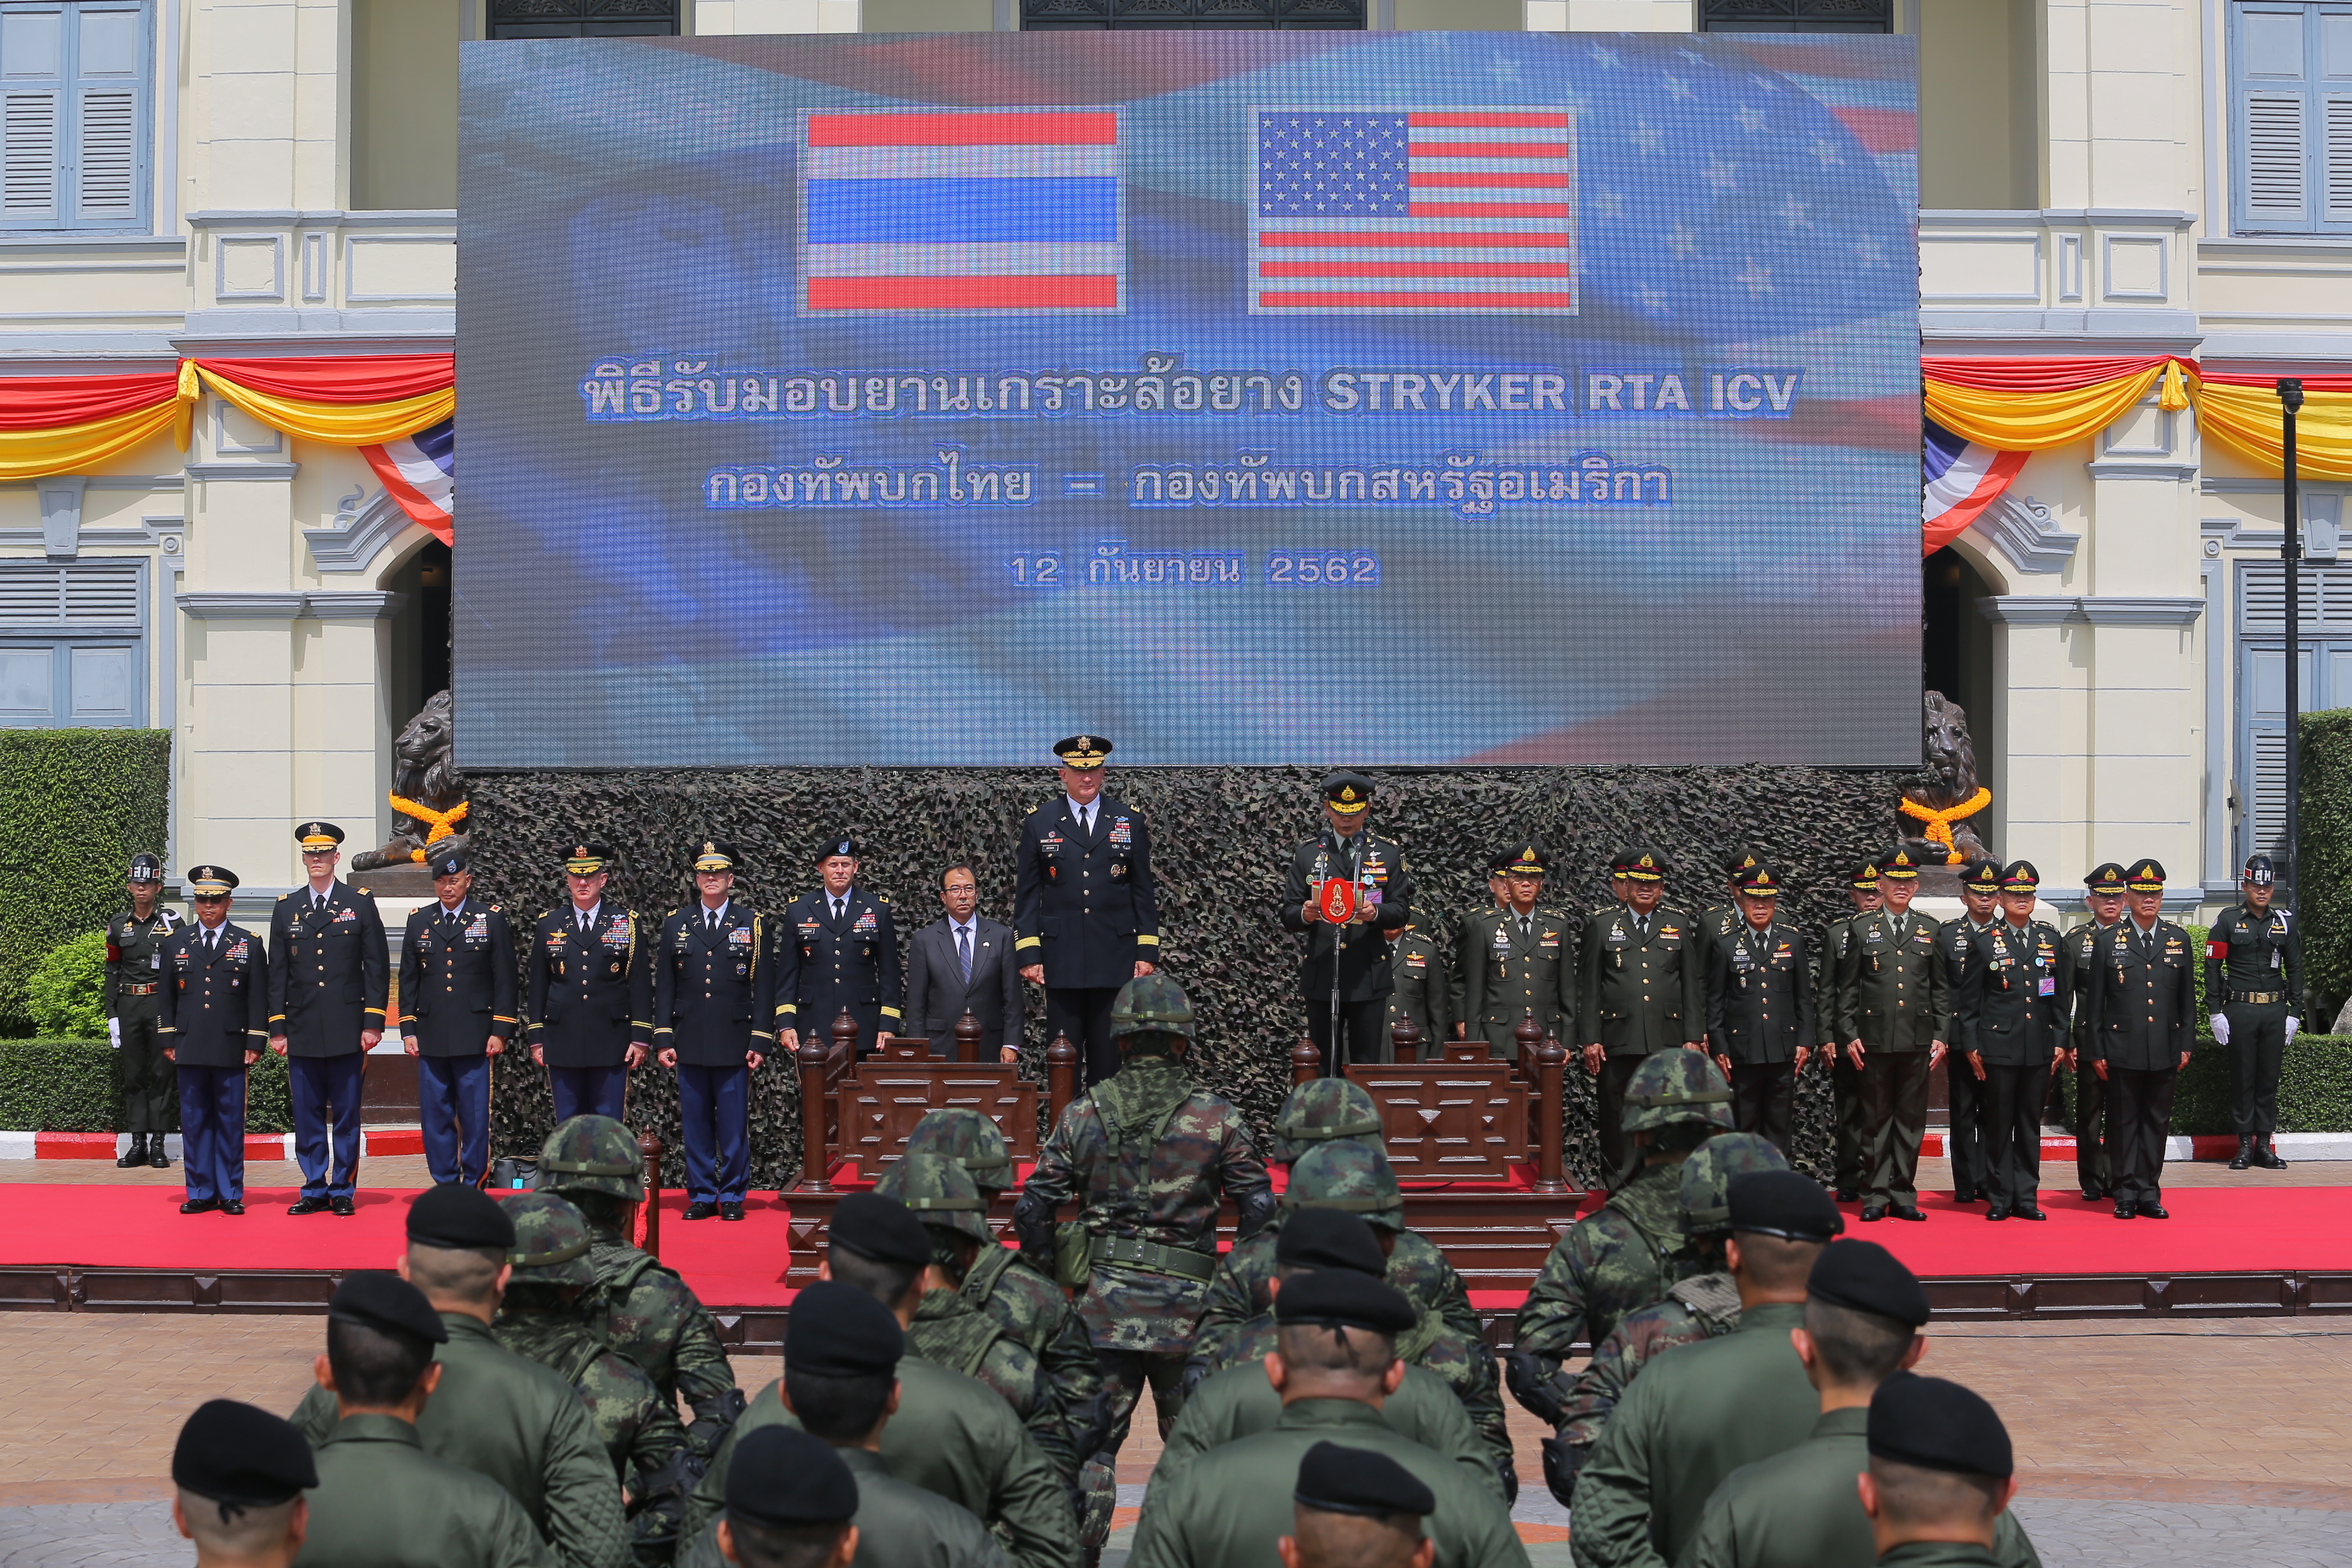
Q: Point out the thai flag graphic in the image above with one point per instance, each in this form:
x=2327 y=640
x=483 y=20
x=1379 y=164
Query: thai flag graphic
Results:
x=963 y=213
x=421 y=473
x=1452 y=211
x=1959 y=479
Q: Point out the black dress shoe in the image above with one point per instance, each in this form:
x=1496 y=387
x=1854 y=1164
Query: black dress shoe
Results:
x=2245 y=1156
x=1968 y=1198
x=344 y=1207
x=2123 y=1210
x=699 y=1211
x=2027 y=1211
x=1848 y=1195
x=135 y=1153
x=730 y=1211
x=156 y=1158
x=1901 y=1211
x=1996 y=1212
x=1872 y=1213
x=2153 y=1211
x=308 y=1206
x=203 y=1205
x=2093 y=1195
x=2266 y=1155
x=232 y=1205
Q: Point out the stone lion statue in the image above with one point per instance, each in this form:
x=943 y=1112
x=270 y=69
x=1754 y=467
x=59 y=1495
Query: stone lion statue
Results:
x=428 y=790
x=1947 y=794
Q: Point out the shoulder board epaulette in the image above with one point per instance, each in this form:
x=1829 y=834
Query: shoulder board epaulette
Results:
x=881 y=898
x=544 y=913
x=1031 y=811
x=283 y=897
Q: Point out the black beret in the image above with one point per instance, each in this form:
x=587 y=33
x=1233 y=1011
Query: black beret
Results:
x=461 y=1215
x=451 y=864
x=1867 y=1277
x=380 y=1299
x=1937 y=1426
x=883 y=1229
x=1360 y=1480
x=838 y=1331
x=784 y=1477
x=235 y=1454
x=1329 y=1239
x=1341 y=1298
x=1783 y=1203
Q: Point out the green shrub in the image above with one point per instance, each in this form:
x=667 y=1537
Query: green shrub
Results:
x=69 y=1086
x=75 y=806
x=67 y=992
x=2315 y=1086
x=2324 y=827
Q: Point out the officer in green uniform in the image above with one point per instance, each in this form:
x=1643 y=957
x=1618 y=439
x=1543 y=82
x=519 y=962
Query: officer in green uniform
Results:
x=1514 y=960
x=1145 y=1153
x=1941 y=1474
x=1033 y=1311
x=1336 y=1367
x=1893 y=1006
x=2253 y=978
x=1759 y=1005
x=1237 y=1400
x=1721 y=918
x=791 y=1503
x=240 y=1473
x=2102 y=895
x=1352 y=1506
x=134 y=940
x=647 y=1312
x=1845 y=1077
x=1698 y=1308
x=385 y=1498
x=1499 y=893
x=1641 y=989
x=1693 y=1418
x=1422 y=987
x=2024 y=988
x=1624 y=1257
x=1800 y=1508
x=953 y=1435
x=539 y=1318
x=1963 y=942
x=1380 y=886
x=2143 y=983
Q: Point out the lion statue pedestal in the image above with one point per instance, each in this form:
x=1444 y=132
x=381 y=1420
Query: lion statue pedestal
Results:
x=1937 y=805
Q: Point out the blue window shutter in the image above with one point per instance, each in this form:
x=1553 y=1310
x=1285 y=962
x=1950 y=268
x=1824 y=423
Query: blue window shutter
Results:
x=77 y=76
x=2273 y=116
x=32 y=115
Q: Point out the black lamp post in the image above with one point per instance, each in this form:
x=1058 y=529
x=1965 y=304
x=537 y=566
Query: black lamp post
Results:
x=2290 y=396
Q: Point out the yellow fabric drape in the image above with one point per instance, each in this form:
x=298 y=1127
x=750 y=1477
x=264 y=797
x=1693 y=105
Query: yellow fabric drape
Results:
x=2250 y=422
x=337 y=424
x=78 y=448
x=2029 y=422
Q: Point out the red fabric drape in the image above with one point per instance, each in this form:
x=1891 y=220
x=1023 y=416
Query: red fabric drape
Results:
x=339 y=378
x=46 y=401
x=2028 y=375
x=2268 y=379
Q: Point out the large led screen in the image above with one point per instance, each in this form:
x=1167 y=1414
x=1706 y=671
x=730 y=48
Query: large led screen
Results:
x=1383 y=398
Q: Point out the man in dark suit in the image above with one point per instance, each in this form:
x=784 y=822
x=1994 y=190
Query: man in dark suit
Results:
x=1962 y=941
x=1759 y=1008
x=592 y=993
x=328 y=972
x=2143 y=983
x=456 y=1012
x=714 y=995
x=1641 y=989
x=1085 y=908
x=214 y=1017
x=1345 y=851
x=2024 y=983
x=963 y=963
x=839 y=948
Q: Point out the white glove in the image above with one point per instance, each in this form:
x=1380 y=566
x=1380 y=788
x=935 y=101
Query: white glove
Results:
x=2293 y=1024
x=2220 y=1028
x=114 y=1032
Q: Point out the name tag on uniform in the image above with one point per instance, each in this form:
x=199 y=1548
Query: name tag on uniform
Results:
x=2278 y=959
x=155 y=959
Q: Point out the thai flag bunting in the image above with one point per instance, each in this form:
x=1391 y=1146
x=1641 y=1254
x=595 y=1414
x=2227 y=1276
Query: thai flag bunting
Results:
x=962 y=212
x=420 y=473
x=1451 y=212
x=1960 y=479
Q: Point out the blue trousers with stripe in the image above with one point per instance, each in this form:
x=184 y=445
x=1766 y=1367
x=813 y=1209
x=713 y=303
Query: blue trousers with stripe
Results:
x=588 y=1091
x=453 y=1102
x=715 y=1104
x=212 y=1132
x=324 y=1087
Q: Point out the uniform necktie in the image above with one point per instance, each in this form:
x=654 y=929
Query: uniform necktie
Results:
x=212 y=940
x=1526 y=927
x=710 y=920
x=584 y=923
x=836 y=909
x=963 y=951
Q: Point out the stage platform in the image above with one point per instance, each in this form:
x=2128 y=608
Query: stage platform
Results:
x=2227 y=1251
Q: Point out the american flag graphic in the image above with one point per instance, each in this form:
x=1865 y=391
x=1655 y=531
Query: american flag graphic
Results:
x=929 y=212
x=1441 y=211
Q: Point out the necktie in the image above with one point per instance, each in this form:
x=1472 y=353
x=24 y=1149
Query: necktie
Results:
x=710 y=920
x=212 y=940
x=836 y=911
x=1087 y=819
x=1525 y=928
x=449 y=917
x=584 y=923
x=963 y=951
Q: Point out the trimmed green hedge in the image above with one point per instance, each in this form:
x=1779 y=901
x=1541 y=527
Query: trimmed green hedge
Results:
x=69 y=1086
x=2324 y=827
x=75 y=806
x=2315 y=1086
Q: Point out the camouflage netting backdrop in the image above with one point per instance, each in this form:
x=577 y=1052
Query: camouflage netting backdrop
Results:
x=1219 y=839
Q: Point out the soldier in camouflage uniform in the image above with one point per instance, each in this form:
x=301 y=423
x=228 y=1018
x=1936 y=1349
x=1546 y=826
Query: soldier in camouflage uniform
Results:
x=1033 y=1311
x=1698 y=1308
x=649 y=1314
x=1624 y=1257
x=1146 y=1153
x=1319 y=1111
x=539 y=1318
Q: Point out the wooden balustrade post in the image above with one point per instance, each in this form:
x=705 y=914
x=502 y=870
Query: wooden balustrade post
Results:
x=814 y=1163
x=968 y=1036
x=1305 y=1061
x=1405 y=1040
x=651 y=1148
x=1061 y=1077
x=1529 y=1037
x=1551 y=1057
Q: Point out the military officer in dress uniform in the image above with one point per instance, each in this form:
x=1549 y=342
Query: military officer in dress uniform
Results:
x=2253 y=976
x=456 y=1012
x=1724 y=916
x=1962 y=942
x=839 y=949
x=1498 y=889
x=1085 y=912
x=714 y=996
x=1845 y=1077
x=592 y=993
x=2143 y=983
x=2024 y=984
x=1375 y=868
x=1421 y=983
x=1759 y=1008
x=1516 y=959
x=1894 y=1002
x=2102 y=895
x=216 y=1015
x=1641 y=989
x=330 y=969
x=134 y=944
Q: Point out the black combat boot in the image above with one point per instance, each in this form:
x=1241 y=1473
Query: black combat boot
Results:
x=155 y=1156
x=2245 y=1151
x=2266 y=1155
x=134 y=1155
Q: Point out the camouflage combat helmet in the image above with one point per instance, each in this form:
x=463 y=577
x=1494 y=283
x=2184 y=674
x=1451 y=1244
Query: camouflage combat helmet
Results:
x=593 y=1154
x=1676 y=1086
x=1352 y=1174
x=1153 y=1002
x=1707 y=1179
x=940 y=1192
x=550 y=1245
x=1322 y=1109
x=969 y=1139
